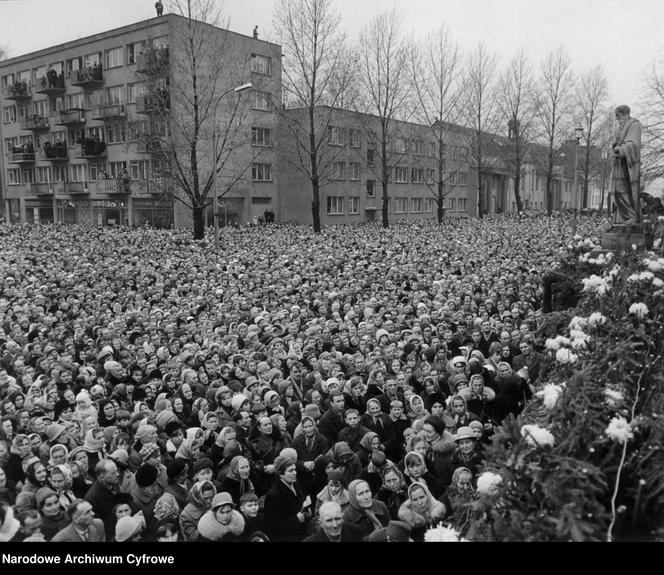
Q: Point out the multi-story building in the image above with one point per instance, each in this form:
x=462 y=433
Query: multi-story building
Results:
x=350 y=168
x=77 y=115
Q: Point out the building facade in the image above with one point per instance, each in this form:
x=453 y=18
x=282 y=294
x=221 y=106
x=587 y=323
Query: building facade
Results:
x=76 y=119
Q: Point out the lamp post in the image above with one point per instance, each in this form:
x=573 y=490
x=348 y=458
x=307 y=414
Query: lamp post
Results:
x=238 y=90
x=578 y=134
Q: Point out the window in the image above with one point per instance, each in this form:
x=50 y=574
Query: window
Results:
x=355 y=140
x=354 y=171
x=417 y=175
x=335 y=136
x=335 y=205
x=261 y=64
x=401 y=146
x=463 y=203
x=43 y=175
x=354 y=205
x=73 y=64
x=400 y=205
x=371 y=157
x=371 y=188
x=261 y=137
x=13 y=176
x=26 y=140
x=115 y=95
x=431 y=149
x=7 y=80
x=428 y=205
x=95 y=168
x=136 y=130
x=459 y=179
x=10 y=143
x=401 y=175
x=134 y=50
x=114 y=58
x=260 y=100
x=262 y=200
x=60 y=136
x=76 y=101
x=9 y=114
x=416 y=205
x=28 y=176
x=430 y=175
x=451 y=204
x=261 y=172
x=96 y=132
x=133 y=92
x=38 y=73
x=77 y=173
x=60 y=174
x=338 y=171
x=115 y=168
x=418 y=147
x=92 y=59
x=40 y=107
x=138 y=169
x=116 y=134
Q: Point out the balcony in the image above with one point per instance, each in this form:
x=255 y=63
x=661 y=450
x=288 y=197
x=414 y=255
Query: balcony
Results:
x=51 y=85
x=70 y=118
x=25 y=155
x=158 y=103
x=75 y=188
x=90 y=77
x=18 y=91
x=35 y=124
x=153 y=61
x=92 y=149
x=54 y=152
x=43 y=189
x=110 y=112
x=154 y=186
x=151 y=146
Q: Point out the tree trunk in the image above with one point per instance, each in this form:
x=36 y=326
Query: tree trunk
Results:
x=480 y=195
x=386 y=221
x=198 y=213
x=517 y=190
x=315 y=205
x=441 y=207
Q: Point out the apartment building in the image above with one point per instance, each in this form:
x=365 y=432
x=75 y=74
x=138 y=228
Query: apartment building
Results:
x=350 y=166
x=78 y=121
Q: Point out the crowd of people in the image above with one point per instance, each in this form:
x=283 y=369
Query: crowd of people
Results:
x=292 y=386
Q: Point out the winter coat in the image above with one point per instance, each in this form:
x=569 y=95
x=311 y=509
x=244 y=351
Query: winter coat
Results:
x=281 y=509
x=209 y=529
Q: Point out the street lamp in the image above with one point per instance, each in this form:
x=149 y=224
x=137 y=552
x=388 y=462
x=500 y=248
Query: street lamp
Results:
x=578 y=134
x=238 y=90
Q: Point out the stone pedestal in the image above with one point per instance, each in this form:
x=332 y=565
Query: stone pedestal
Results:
x=623 y=237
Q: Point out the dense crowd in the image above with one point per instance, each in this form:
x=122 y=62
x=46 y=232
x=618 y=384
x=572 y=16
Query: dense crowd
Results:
x=290 y=387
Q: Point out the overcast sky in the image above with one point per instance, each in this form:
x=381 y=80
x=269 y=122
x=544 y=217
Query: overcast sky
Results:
x=623 y=37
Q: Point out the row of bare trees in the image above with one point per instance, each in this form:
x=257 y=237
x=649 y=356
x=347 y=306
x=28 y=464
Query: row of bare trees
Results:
x=394 y=87
x=454 y=97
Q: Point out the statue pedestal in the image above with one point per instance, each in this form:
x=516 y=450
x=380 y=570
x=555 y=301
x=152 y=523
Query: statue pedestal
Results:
x=624 y=239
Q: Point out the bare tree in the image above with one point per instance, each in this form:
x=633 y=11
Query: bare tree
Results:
x=480 y=113
x=604 y=136
x=317 y=76
x=435 y=70
x=553 y=100
x=515 y=99
x=385 y=90
x=591 y=98
x=652 y=120
x=197 y=121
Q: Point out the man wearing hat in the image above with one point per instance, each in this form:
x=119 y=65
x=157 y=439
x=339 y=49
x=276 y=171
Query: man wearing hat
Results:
x=332 y=528
x=146 y=492
x=178 y=483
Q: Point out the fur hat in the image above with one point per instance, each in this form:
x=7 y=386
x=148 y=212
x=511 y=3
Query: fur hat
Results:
x=146 y=475
x=42 y=494
x=126 y=528
x=237 y=401
x=203 y=463
x=120 y=457
x=175 y=467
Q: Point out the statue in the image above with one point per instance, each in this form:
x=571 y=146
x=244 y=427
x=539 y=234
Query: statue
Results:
x=159 y=7
x=626 y=169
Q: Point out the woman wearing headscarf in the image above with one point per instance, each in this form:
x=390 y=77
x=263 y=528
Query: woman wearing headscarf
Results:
x=393 y=491
x=121 y=395
x=273 y=403
x=512 y=392
x=335 y=491
x=35 y=477
x=190 y=449
x=417 y=412
x=209 y=425
x=84 y=407
x=166 y=508
x=279 y=423
x=265 y=444
x=377 y=421
x=432 y=393
x=365 y=512
x=459 y=412
x=369 y=443
x=415 y=470
x=199 y=408
x=459 y=494
x=200 y=498
x=421 y=511
x=218 y=453
x=237 y=480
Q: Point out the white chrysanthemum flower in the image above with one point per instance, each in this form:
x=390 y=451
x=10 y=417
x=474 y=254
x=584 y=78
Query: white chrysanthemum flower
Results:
x=657 y=282
x=613 y=398
x=643 y=276
x=578 y=322
x=537 y=436
x=442 y=534
x=562 y=340
x=619 y=430
x=550 y=395
x=654 y=265
x=488 y=483
x=596 y=319
x=640 y=310
x=566 y=356
x=551 y=345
